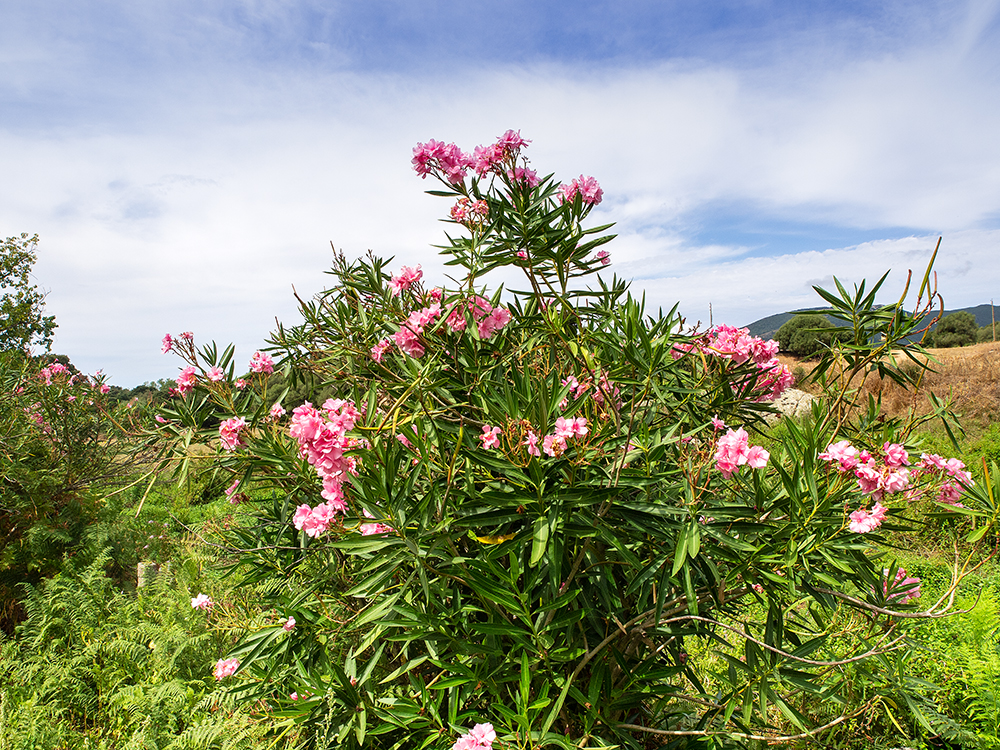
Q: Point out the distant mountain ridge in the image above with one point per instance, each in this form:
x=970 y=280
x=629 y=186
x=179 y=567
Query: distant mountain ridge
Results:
x=767 y=328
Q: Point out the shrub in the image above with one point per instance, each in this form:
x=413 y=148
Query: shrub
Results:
x=805 y=335
x=956 y=329
x=543 y=513
x=987 y=334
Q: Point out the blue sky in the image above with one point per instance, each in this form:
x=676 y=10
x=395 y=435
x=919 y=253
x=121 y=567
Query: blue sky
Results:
x=187 y=163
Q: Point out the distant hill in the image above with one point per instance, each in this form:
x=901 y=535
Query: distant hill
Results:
x=767 y=328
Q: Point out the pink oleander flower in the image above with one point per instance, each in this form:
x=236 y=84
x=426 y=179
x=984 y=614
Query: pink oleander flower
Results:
x=378 y=351
x=586 y=187
x=368 y=529
x=289 y=625
x=718 y=424
x=215 y=374
x=733 y=450
x=522 y=254
x=104 y=389
x=757 y=457
x=523 y=176
x=845 y=454
x=261 y=362
x=863 y=521
x=226 y=668
x=895 y=454
x=186 y=380
x=496 y=320
x=168 y=344
x=202 y=601
x=231 y=489
x=568 y=428
x=490 y=437
x=277 y=411
x=229 y=433
x=902 y=589
x=240 y=384
x=161 y=420
x=407 y=278
x=187 y=336
x=604 y=257
x=532 y=442
x=294 y=696
x=554 y=445
x=314 y=521
x=482 y=736
x=445 y=159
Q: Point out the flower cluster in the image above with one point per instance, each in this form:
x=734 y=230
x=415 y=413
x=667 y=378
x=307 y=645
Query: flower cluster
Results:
x=226 y=668
x=229 y=433
x=407 y=277
x=323 y=440
x=481 y=736
x=586 y=187
x=553 y=445
x=739 y=347
x=733 y=450
x=605 y=394
x=954 y=478
x=407 y=338
x=448 y=162
x=469 y=212
x=261 y=362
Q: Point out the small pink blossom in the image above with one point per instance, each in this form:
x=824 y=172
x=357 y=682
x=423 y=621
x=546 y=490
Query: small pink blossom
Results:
x=490 y=437
x=289 y=625
x=294 y=696
x=215 y=374
x=532 y=442
x=554 y=445
x=314 y=521
x=378 y=351
x=863 y=521
x=104 y=389
x=261 y=362
x=604 y=257
x=226 y=668
x=902 y=589
x=168 y=344
x=229 y=433
x=202 y=601
x=586 y=187
x=407 y=277
x=718 y=424
x=277 y=411
x=240 y=384
x=481 y=737
x=845 y=454
x=895 y=454
x=186 y=380
x=187 y=336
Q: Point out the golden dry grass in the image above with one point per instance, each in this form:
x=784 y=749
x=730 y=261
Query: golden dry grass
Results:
x=969 y=376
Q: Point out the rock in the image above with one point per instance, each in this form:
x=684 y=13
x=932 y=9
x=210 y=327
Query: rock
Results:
x=791 y=403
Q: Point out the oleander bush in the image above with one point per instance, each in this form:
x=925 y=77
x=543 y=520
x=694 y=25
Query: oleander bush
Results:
x=543 y=515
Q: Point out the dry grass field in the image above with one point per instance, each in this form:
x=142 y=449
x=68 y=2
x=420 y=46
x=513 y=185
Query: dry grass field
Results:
x=968 y=376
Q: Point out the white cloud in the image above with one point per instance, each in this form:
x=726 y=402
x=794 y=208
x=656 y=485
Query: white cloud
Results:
x=207 y=199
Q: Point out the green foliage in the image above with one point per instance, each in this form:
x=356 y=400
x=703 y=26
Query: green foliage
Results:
x=956 y=329
x=93 y=667
x=59 y=443
x=988 y=334
x=22 y=324
x=805 y=335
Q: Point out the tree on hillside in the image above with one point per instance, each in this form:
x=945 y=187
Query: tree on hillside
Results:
x=22 y=323
x=988 y=333
x=957 y=329
x=805 y=335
